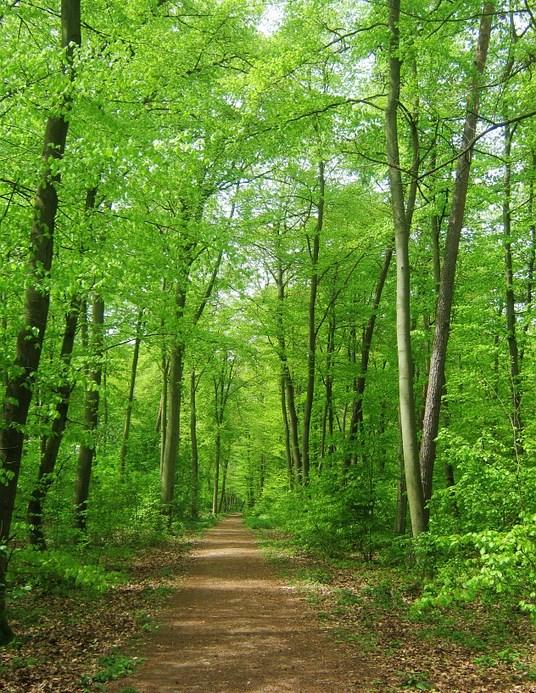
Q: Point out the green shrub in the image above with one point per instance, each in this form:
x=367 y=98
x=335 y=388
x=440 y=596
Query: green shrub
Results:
x=489 y=565
x=58 y=570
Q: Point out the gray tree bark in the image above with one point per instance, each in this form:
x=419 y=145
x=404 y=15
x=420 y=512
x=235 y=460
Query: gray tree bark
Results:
x=402 y=225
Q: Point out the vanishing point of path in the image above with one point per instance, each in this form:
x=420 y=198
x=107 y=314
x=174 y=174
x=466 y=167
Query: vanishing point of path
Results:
x=233 y=626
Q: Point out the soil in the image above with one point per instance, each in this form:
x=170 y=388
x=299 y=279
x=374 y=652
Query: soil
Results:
x=233 y=626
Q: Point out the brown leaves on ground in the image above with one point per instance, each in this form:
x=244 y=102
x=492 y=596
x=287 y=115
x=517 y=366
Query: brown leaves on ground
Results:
x=61 y=638
x=460 y=650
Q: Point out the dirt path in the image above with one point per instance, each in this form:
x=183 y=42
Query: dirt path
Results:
x=233 y=626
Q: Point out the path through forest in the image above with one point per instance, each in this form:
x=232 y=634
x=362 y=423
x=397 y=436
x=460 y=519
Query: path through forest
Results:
x=234 y=626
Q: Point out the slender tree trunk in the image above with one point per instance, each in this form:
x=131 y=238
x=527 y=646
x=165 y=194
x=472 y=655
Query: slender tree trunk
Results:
x=289 y=395
x=328 y=417
x=52 y=442
x=130 y=400
x=510 y=300
x=401 y=497
x=222 y=387
x=217 y=464
x=286 y=431
x=436 y=377
x=171 y=450
x=195 y=452
x=366 y=345
x=311 y=339
x=221 y=506
x=173 y=411
x=403 y=319
x=91 y=418
x=163 y=408
x=19 y=385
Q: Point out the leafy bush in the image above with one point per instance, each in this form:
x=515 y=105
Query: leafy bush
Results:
x=333 y=514
x=58 y=570
x=491 y=490
x=487 y=565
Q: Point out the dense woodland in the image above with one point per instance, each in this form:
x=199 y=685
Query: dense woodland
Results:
x=276 y=258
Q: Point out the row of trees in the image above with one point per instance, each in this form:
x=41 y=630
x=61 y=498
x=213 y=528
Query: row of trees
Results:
x=200 y=300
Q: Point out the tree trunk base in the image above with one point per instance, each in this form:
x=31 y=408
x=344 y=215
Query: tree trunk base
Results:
x=6 y=634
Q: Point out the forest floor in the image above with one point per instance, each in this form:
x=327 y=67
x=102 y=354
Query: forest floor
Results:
x=228 y=617
x=240 y=622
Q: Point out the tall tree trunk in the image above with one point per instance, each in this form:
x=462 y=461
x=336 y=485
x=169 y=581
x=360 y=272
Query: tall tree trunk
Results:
x=510 y=300
x=311 y=339
x=328 y=417
x=91 y=417
x=401 y=496
x=174 y=396
x=194 y=507
x=222 y=387
x=286 y=430
x=162 y=413
x=286 y=377
x=436 y=376
x=366 y=345
x=221 y=506
x=52 y=442
x=130 y=400
x=217 y=464
x=171 y=450
x=19 y=386
x=403 y=320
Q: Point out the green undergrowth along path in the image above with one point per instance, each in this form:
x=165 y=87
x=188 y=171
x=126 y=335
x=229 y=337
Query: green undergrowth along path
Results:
x=83 y=611
x=374 y=607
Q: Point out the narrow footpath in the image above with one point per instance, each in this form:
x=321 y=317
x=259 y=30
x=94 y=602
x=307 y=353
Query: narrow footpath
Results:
x=234 y=626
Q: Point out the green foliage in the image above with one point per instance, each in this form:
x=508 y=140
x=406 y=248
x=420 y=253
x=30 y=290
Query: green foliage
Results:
x=417 y=681
x=59 y=570
x=112 y=667
x=492 y=488
x=489 y=565
x=335 y=514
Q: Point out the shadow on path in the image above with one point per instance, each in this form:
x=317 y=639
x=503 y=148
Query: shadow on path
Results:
x=233 y=626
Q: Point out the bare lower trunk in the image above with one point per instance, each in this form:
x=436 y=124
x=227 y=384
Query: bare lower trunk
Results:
x=286 y=431
x=311 y=339
x=401 y=497
x=328 y=417
x=194 y=506
x=217 y=463
x=51 y=447
x=130 y=400
x=86 y=454
x=171 y=449
x=221 y=506
x=290 y=415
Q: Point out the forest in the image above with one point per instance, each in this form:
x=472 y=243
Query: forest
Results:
x=275 y=258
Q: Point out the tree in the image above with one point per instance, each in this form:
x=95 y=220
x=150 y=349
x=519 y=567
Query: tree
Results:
x=402 y=215
x=436 y=375
x=30 y=338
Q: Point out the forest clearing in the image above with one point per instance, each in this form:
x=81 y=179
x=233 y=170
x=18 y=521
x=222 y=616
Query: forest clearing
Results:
x=273 y=260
